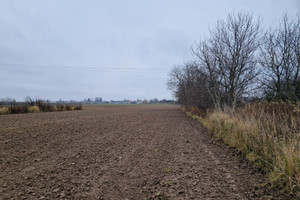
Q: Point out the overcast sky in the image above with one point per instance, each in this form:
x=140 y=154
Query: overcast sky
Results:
x=118 y=49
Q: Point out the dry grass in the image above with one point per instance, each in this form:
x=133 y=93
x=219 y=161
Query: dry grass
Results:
x=34 y=109
x=4 y=110
x=268 y=135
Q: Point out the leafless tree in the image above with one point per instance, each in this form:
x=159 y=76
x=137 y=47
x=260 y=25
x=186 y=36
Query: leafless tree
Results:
x=229 y=58
x=187 y=84
x=208 y=64
x=226 y=67
x=28 y=100
x=280 y=60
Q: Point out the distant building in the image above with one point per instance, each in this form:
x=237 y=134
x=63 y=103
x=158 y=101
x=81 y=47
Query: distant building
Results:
x=120 y=102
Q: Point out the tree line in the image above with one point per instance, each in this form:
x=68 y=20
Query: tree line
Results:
x=240 y=61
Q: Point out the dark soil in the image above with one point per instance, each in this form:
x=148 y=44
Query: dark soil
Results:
x=120 y=152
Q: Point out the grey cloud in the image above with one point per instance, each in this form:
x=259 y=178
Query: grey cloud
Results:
x=75 y=49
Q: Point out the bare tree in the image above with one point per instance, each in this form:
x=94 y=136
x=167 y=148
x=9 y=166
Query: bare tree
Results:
x=229 y=58
x=208 y=63
x=28 y=100
x=280 y=60
x=186 y=82
x=296 y=60
x=226 y=68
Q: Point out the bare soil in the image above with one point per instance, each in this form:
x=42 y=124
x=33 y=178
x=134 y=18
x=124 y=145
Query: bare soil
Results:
x=120 y=152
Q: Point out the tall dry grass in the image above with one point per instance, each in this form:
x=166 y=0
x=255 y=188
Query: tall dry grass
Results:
x=34 y=109
x=268 y=135
x=4 y=110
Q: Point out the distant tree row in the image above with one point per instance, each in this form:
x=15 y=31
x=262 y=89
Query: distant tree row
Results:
x=238 y=61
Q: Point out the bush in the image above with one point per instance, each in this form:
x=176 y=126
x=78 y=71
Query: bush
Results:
x=78 y=107
x=37 y=106
x=34 y=109
x=16 y=108
x=68 y=107
x=4 y=110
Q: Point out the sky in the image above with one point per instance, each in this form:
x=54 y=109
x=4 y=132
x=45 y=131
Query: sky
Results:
x=118 y=49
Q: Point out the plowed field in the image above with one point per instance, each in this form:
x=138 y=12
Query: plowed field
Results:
x=120 y=152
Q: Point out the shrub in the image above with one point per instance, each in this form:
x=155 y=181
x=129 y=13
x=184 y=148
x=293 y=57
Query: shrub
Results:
x=78 y=107
x=68 y=107
x=34 y=109
x=60 y=107
x=15 y=108
x=36 y=106
x=4 y=110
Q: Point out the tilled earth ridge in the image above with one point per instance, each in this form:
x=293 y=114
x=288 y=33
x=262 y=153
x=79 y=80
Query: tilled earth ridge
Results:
x=120 y=152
